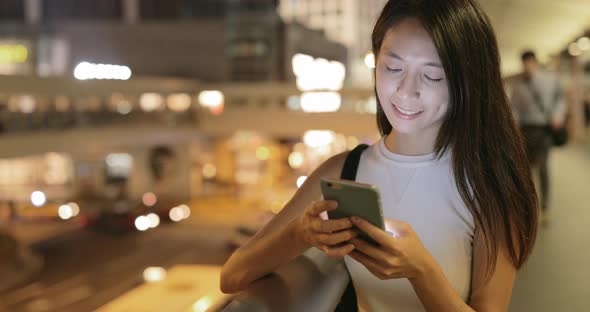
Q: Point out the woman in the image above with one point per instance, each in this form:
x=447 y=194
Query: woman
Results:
x=451 y=169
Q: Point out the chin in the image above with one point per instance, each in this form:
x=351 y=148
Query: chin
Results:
x=403 y=126
x=404 y=129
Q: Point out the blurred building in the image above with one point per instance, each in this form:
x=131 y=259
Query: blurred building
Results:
x=90 y=88
x=349 y=22
x=213 y=41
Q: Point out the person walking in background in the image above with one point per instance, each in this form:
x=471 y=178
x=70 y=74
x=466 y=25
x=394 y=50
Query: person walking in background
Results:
x=539 y=106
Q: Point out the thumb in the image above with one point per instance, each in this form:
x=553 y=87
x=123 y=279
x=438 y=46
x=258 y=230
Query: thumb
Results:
x=395 y=228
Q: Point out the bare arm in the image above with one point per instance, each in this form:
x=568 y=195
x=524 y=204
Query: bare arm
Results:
x=437 y=294
x=495 y=294
x=279 y=241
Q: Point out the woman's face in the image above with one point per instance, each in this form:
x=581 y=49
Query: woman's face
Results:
x=410 y=80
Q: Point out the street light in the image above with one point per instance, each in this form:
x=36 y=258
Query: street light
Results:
x=86 y=70
x=38 y=198
x=574 y=50
x=211 y=98
x=584 y=43
x=370 y=60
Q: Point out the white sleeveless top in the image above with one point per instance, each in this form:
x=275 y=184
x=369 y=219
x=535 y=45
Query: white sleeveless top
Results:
x=421 y=191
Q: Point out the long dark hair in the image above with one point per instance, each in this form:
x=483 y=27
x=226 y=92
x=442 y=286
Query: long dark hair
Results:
x=489 y=162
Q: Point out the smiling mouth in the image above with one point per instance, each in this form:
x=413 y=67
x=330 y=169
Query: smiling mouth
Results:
x=406 y=114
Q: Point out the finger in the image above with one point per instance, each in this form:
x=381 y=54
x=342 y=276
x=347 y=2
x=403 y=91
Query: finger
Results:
x=368 y=263
x=329 y=226
x=338 y=224
x=337 y=252
x=320 y=206
x=337 y=238
x=365 y=260
x=370 y=250
x=374 y=232
x=396 y=227
x=316 y=225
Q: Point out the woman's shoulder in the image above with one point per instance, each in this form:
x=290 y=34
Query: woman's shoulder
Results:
x=332 y=167
x=310 y=190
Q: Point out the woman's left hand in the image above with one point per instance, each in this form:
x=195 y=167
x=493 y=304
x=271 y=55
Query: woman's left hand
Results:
x=401 y=255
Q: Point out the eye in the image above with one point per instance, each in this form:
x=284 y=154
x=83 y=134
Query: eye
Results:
x=433 y=79
x=393 y=70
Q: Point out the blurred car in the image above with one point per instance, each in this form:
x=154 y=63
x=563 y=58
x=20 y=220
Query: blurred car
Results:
x=126 y=215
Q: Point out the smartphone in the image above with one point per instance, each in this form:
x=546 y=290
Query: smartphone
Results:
x=354 y=199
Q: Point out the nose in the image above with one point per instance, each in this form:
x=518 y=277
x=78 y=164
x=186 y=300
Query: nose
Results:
x=408 y=87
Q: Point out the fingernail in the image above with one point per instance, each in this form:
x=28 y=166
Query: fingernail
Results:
x=355 y=219
x=392 y=233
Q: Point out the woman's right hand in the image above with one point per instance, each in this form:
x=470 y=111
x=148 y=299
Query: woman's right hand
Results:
x=331 y=236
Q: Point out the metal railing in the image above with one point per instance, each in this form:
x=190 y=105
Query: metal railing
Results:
x=311 y=282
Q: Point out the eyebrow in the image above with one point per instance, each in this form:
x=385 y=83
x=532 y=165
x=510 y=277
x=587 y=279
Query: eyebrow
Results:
x=395 y=56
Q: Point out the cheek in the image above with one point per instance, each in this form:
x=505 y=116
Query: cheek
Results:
x=438 y=101
x=385 y=90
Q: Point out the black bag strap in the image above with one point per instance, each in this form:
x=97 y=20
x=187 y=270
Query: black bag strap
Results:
x=351 y=164
x=348 y=302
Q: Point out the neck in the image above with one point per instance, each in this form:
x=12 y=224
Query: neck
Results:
x=409 y=144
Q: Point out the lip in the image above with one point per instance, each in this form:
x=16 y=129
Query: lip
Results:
x=402 y=115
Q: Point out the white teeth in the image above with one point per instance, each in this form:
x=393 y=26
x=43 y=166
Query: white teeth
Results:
x=406 y=111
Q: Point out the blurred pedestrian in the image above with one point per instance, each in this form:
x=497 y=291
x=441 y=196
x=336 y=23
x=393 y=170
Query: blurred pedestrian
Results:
x=539 y=106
